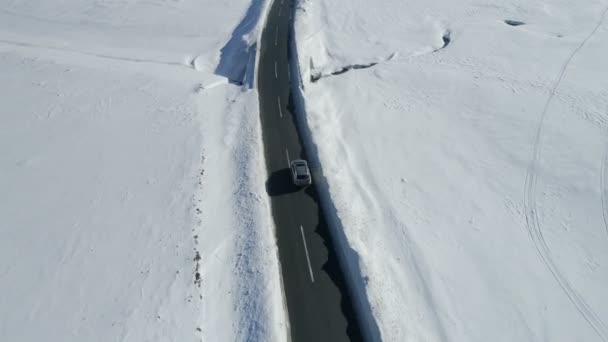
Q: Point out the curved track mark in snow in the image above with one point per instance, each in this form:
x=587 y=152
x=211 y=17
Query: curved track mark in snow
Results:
x=603 y=175
x=531 y=212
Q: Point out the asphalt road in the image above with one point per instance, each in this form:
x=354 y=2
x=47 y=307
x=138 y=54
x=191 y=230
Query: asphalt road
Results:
x=317 y=299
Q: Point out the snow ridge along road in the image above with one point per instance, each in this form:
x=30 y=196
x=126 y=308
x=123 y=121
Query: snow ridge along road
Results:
x=317 y=300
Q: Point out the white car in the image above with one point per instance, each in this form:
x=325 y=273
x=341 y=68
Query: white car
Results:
x=300 y=173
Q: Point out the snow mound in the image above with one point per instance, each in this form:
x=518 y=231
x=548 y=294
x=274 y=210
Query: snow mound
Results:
x=238 y=54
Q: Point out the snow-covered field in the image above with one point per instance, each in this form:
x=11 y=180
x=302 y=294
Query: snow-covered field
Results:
x=132 y=205
x=471 y=179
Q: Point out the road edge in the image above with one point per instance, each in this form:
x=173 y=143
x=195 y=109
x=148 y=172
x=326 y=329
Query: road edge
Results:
x=347 y=257
x=256 y=67
x=262 y=25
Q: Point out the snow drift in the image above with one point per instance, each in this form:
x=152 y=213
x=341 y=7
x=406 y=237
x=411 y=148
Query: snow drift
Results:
x=132 y=176
x=467 y=165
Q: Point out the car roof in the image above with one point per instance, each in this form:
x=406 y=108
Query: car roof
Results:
x=302 y=169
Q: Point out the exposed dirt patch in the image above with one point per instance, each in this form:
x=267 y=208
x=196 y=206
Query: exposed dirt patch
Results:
x=447 y=38
x=199 y=214
x=318 y=76
x=514 y=22
x=197 y=265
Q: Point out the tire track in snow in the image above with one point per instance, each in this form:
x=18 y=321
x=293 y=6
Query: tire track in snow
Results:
x=603 y=175
x=531 y=211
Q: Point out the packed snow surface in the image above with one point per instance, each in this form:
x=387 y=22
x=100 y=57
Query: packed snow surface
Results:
x=468 y=161
x=131 y=174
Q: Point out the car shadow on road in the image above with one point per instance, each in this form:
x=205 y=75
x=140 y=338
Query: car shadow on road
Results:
x=280 y=183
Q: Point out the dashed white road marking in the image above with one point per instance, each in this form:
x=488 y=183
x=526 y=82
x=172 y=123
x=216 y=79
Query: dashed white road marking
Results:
x=276 y=36
x=280 y=109
x=276 y=71
x=312 y=277
x=280 y=8
x=287 y=155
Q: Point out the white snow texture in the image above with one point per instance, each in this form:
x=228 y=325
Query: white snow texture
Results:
x=128 y=164
x=468 y=167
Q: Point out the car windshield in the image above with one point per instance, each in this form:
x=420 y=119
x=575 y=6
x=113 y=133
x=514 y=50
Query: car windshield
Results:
x=301 y=170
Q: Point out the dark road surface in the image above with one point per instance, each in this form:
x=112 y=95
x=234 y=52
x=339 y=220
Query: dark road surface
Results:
x=317 y=299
